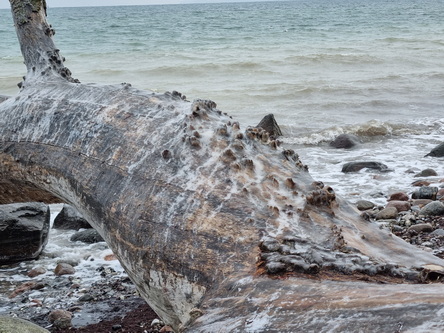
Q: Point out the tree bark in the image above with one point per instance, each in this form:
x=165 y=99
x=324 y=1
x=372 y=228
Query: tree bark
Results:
x=220 y=228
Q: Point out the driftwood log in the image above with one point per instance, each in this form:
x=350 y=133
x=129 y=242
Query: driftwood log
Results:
x=220 y=228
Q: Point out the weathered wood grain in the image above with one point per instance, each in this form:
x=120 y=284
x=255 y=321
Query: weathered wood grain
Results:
x=220 y=228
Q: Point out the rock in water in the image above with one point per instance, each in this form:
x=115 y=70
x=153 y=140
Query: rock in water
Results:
x=426 y=173
x=70 y=218
x=269 y=124
x=23 y=231
x=17 y=325
x=438 y=151
x=357 y=166
x=89 y=236
x=220 y=229
x=345 y=141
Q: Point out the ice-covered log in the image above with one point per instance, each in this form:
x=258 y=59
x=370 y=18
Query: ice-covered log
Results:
x=220 y=227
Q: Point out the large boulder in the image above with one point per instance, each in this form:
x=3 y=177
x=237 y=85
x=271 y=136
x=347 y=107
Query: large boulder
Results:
x=17 y=325
x=70 y=219
x=23 y=231
x=438 y=151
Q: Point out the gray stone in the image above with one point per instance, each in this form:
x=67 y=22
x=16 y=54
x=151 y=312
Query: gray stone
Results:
x=345 y=141
x=89 y=236
x=70 y=219
x=437 y=233
x=64 y=269
x=269 y=124
x=421 y=227
x=387 y=214
x=401 y=206
x=364 y=205
x=420 y=202
x=425 y=192
x=17 y=325
x=356 y=166
x=438 y=151
x=426 y=173
x=23 y=231
x=435 y=208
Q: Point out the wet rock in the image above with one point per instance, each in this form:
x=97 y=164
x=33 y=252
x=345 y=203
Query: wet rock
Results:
x=420 y=183
x=420 y=202
x=421 y=227
x=64 y=269
x=269 y=124
x=89 y=236
x=364 y=205
x=70 y=219
x=426 y=173
x=399 y=196
x=345 y=141
x=36 y=271
x=387 y=214
x=356 y=166
x=23 y=231
x=425 y=192
x=86 y=298
x=61 y=319
x=166 y=328
x=437 y=233
x=401 y=206
x=438 y=151
x=17 y=325
x=30 y=285
x=434 y=208
x=440 y=194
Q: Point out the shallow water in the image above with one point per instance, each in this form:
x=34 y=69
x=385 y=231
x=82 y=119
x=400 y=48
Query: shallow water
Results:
x=88 y=261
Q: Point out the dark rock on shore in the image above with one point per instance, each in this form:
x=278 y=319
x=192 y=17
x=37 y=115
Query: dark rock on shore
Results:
x=438 y=151
x=70 y=219
x=269 y=124
x=24 y=231
x=89 y=236
x=425 y=192
x=345 y=141
x=356 y=166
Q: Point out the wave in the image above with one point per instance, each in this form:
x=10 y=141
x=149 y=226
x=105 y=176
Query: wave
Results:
x=368 y=131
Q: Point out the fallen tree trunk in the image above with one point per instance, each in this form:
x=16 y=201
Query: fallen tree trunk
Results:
x=220 y=228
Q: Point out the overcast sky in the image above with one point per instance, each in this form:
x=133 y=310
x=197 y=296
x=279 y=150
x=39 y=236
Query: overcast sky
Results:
x=82 y=3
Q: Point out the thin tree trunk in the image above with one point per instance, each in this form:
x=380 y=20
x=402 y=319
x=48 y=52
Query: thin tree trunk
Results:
x=220 y=228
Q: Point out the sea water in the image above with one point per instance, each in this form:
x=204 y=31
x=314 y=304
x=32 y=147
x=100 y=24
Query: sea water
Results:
x=374 y=69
